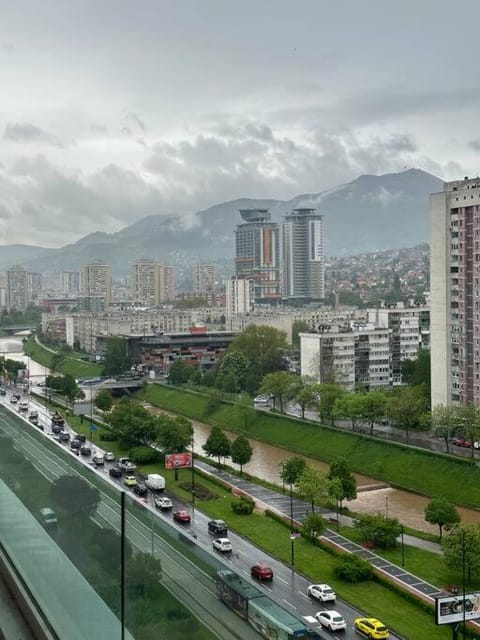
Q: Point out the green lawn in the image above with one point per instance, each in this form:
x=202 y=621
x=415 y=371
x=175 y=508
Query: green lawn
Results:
x=71 y=366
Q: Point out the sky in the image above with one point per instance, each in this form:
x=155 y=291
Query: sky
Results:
x=114 y=110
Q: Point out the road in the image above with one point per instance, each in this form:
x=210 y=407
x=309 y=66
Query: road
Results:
x=288 y=588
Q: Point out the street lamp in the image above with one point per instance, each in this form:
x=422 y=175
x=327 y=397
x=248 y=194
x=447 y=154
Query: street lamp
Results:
x=403 y=549
x=193 y=481
x=292 y=553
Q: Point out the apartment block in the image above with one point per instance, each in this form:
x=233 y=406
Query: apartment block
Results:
x=239 y=297
x=204 y=278
x=17 y=288
x=455 y=293
x=97 y=281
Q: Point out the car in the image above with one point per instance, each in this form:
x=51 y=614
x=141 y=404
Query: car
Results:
x=109 y=457
x=38 y=425
x=322 y=592
x=57 y=419
x=181 y=516
x=23 y=405
x=2 y=392
x=115 y=472
x=222 y=544
x=371 y=627
x=331 y=620
x=13 y=400
x=98 y=459
x=130 y=481
x=17 y=396
x=57 y=428
x=218 y=527
x=163 y=503
x=126 y=464
x=263 y=399
x=261 y=571
x=140 y=490
x=75 y=445
x=33 y=417
x=85 y=450
x=48 y=517
x=79 y=437
x=64 y=436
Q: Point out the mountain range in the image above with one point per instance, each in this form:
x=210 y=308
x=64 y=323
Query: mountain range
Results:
x=370 y=213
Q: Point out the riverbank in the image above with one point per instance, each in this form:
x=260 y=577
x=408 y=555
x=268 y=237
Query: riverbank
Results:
x=71 y=366
x=421 y=471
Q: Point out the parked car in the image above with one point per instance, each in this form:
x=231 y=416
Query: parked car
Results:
x=322 y=592
x=331 y=620
x=64 y=436
x=130 y=481
x=261 y=571
x=163 y=503
x=98 y=459
x=85 y=450
x=115 y=472
x=181 y=516
x=218 y=527
x=140 y=490
x=222 y=544
x=109 y=457
x=263 y=399
x=461 y=442
x=372 y=628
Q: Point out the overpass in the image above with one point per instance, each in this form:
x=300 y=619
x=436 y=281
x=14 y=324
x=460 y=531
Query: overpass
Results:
x=10 y=330
x=110 y=384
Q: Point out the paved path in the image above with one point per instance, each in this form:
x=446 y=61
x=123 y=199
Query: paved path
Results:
x=281 y=503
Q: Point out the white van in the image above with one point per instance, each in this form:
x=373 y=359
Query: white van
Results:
x=49 y=517
x=155 y=482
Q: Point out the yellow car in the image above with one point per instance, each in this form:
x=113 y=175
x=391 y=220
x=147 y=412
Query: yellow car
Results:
x=372 y=628
x=130 y=481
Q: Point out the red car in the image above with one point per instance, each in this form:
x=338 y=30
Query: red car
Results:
x=261 y=571
x=461 y=442
x=182 y=516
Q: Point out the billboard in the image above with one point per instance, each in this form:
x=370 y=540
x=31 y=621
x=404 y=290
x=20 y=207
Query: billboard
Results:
x=449 y=609
x=178 y=460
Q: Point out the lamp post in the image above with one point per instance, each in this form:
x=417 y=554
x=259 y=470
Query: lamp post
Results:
x=386 y=506
x=463 y=583
x=292 y=554
x=403 y=549
x=193 y=481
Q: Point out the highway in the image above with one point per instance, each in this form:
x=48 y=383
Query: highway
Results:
x=288 y=588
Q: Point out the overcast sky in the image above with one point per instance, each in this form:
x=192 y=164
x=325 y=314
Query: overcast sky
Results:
x=112 y=110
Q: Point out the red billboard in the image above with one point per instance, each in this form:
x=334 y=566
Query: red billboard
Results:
x=178 y=460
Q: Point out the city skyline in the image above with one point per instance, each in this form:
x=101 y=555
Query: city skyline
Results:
x=176 y=109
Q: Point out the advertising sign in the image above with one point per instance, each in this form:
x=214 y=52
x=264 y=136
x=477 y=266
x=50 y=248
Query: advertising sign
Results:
x=449 y=609
x=178 y=460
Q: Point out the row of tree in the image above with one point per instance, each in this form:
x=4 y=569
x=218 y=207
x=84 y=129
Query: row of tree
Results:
x=461 y=420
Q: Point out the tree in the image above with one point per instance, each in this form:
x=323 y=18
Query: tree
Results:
x=117 y=358
x=442 y=512
x=313 y=525
x=462 y=545
x=241 y=451
x=263 y=346
x=132 y=424
x=468 y=423
x=179 y=372
x=174 y=435
x=416 y=372
x=75 y=496
x=350 y=406
x=143 y=573
x=291 y=470
x=374 y=407
x=57 y=361
x=249 y=414
x=329 y=393
x=313 y=485
x=406 y=409
x=103 y=400
x=232 y=372
x=379 y=529
x=11 y=367
x=279 y=385
x=305 y=393
x=339 y=468
x=299 y=326
x=444 y=423
x=217 y=444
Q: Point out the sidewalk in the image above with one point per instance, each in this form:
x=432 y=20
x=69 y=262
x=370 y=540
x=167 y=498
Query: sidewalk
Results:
x=282 y=505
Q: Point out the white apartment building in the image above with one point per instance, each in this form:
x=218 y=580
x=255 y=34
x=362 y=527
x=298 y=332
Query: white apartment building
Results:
x=17 y=289
x=97 y=281
x=239 y=297
x=350 y=356
x=204 y=278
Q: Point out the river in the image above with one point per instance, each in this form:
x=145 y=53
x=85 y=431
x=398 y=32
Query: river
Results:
x=266 y=461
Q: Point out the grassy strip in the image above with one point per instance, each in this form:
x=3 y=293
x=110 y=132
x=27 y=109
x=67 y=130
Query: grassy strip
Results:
x=70 y=366
x=413 y=469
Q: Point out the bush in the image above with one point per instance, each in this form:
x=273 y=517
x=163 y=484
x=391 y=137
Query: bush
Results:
x=107 y=436
x=352 y=568
x=145 y=455
x=243 y=506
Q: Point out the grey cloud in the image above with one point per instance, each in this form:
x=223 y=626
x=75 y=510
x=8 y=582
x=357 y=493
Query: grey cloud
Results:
x=474 y=144
x=26 y=132
x=133 y=116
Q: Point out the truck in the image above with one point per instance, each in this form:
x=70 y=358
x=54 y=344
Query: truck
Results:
x=155 y=482
x=126 y=464
x=57 y=419
x=263 y=614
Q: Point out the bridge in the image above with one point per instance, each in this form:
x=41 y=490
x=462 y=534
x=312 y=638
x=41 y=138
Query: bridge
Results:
x=114 y=384
x=10 y=330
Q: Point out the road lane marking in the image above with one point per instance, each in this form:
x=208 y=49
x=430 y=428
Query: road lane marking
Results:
x=243 y=553
x=289 y=604
x=284 y=581
x=304 y=595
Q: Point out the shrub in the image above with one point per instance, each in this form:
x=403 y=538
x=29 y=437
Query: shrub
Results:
x=243 y=506
x=352 y=568
x=145 y=455
x=107 y=436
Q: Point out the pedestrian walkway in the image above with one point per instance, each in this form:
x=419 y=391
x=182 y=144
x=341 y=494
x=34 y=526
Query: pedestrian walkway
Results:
x=292 y=507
